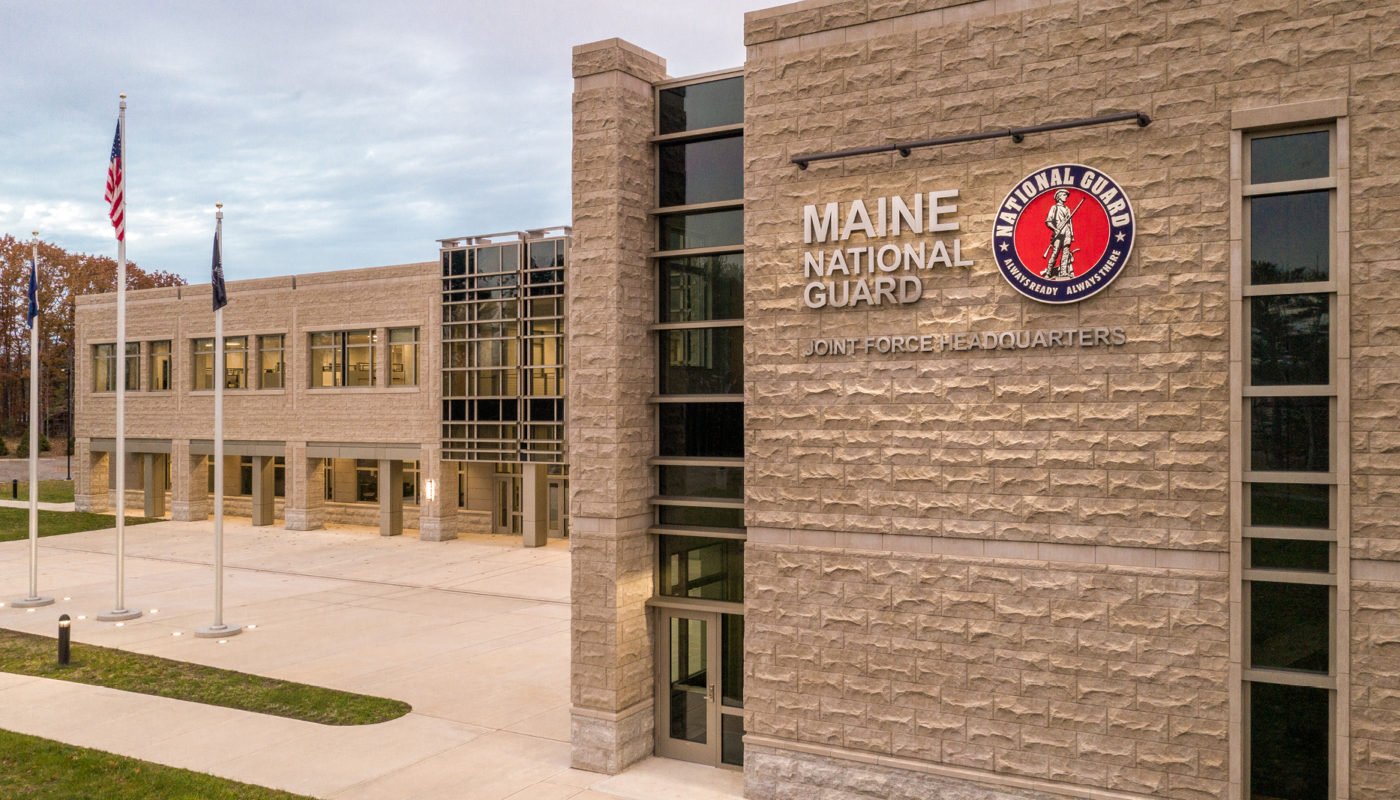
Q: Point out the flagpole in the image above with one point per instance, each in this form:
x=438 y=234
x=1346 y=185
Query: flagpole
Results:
x=218 y=629
x=34 y=600
x=120 y=611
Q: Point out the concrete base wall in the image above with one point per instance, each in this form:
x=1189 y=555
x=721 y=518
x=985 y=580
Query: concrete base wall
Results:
x=607 y=744
x=770 y=774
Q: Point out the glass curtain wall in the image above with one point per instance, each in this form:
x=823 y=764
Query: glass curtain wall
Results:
x=1290 y=489
x=699 y=498
x=503 y=348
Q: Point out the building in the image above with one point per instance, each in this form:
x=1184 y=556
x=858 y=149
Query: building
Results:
x=336 y=411
x=896 y=474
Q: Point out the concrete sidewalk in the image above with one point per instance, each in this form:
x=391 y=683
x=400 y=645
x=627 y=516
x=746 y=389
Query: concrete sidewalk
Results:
x=473 y=633
x=42 y=505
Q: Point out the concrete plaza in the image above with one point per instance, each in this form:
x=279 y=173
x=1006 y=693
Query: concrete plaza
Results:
x=473 y=633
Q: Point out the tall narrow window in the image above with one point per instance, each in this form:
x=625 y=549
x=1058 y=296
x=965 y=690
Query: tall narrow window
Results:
x=159 y=379
x=403 y=356
x=699 y=462
x=1290 y=485
x=359 y=358
x=202 y=364
x=271 y=362
x=325 y=359
x=236 y=362
x=133 y=366
x=104 y=368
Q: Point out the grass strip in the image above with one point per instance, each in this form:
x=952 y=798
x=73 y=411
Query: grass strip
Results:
x=49 y=491
x=32 y=768
x=29 y=654
x=14 y=522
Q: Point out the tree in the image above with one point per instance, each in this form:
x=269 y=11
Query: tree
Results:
x=62 y=277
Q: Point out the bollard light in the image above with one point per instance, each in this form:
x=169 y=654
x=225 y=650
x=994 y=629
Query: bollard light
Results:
x=64 y=644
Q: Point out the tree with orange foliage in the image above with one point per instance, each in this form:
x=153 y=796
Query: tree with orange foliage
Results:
x=62 y=277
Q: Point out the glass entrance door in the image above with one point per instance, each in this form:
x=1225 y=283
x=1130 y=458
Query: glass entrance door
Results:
x=505 y=518
x=558 y=497
x=700 y=687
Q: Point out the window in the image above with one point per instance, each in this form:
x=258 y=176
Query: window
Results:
x=203 y=364
x=410 y=482
x=104 y=368
x=279 y=476
x=133 y=366
x=159 y=378
x=366 y=480
x=403 y=356
x=503 y=351
x=235 y=362
x=343 y=358
x=271 y=362
x=1292 y=426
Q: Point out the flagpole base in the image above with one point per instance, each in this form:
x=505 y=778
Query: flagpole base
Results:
x=218 y=631
x=32 y=602
x=118 y=615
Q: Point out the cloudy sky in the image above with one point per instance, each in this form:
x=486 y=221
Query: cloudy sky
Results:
x=337 y=134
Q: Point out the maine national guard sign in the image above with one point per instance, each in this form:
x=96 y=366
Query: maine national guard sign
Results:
x=1063 y=233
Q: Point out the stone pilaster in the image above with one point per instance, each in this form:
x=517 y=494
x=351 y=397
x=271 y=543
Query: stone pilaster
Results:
x=437 y=516
x=390 y=497
x=90 y=492
x=189 y=490
x=612 y=303
x=306 y=490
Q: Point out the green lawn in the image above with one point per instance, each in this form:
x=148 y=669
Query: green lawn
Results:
x=14 y=522
x=41 y=769
x=28 y=654
x=49 y=491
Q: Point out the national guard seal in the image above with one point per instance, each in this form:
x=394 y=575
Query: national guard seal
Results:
x=1063 y=233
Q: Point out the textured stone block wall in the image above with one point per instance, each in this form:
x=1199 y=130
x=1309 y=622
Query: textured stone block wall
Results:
x=612 y=303
x=1121 y=451
x=1077 y=673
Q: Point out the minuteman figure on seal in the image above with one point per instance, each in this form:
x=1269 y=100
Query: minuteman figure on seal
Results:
x=1060 y=221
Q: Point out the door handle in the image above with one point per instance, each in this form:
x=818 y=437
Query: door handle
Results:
x=710 y=693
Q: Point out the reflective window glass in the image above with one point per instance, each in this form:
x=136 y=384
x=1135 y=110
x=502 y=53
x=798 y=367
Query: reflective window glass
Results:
x=702 y=229
x=702 y=288
x=104 y=368
x=1288 y=626
x=701 y=172
x=704 y=568
x=1289 y=740
x=693 y=517
x=702 y=429
x=235 y=362
x=1290 y=238
x=702 y=105
x=133 y=366
x=702 y=361
x=203 y=364
x=1296 y=554
x=1289 y=505
x=1290 y=434
x=1289 y=340
x=726 y=482
x=159 y=378
x=271 y=363
x=1290 y=157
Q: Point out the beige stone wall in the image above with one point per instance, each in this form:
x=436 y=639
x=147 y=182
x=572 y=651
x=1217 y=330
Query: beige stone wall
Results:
x=1028 y=663
x=398 y=296
x=611 y=306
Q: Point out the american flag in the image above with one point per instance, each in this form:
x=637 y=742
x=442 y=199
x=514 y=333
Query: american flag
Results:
x=116 y=186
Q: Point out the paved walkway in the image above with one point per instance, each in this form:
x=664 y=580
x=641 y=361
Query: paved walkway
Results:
x=473 y=633
x=42 y=505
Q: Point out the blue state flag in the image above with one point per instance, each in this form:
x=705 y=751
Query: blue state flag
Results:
x=33 y=292
x=220 y=292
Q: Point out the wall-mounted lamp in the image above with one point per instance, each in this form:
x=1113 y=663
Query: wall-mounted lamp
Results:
x=430 y=490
